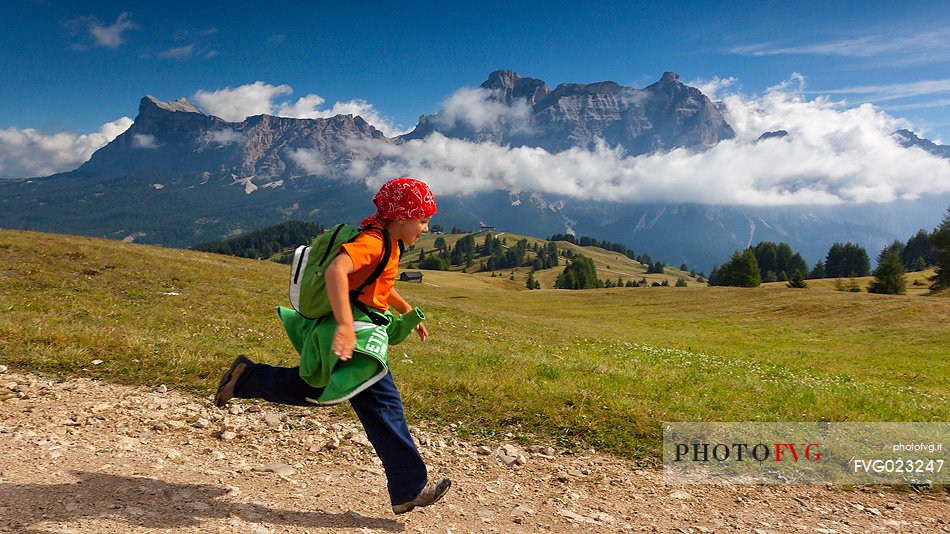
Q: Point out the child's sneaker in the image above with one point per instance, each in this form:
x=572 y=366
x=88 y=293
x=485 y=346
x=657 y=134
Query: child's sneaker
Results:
x=429 y=495
x=229 y=380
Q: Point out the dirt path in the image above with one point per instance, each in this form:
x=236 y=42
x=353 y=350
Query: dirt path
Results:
x=85 y=456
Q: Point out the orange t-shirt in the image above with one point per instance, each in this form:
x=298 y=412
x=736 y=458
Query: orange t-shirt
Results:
x=366 y=251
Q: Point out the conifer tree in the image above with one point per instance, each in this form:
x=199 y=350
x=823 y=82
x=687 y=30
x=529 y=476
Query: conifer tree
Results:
x=853 y=285
x=530 y=282
x=918 y=248
x=798 y=280
x=433 y=263
x=741 y=271
x=580 y=274
x=940 y=241
x=847 y=260
x=889 y=276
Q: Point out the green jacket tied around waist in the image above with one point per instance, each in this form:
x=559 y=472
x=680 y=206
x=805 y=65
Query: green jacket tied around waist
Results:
x=341 y=380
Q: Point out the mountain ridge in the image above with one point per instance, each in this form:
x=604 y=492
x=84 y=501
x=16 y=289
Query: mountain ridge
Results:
x=908 y=139
x=664 y=115
x=178 y=138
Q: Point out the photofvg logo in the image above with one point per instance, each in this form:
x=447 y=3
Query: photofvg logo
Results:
x=816 y=452
x=742 y=452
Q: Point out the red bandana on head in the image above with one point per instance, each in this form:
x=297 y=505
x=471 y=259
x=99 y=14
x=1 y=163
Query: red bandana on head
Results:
x=401 y=199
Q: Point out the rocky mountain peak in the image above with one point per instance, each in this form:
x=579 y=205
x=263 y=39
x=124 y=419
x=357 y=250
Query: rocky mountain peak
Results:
x=508 y=86
x=670 y=85
x=907 y=139
x=150 y=104
x=670 y=77
x=167 y=120
x=777 y=134
x=501 y=79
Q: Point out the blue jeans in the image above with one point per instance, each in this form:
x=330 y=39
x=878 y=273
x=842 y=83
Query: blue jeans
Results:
x=379 y=409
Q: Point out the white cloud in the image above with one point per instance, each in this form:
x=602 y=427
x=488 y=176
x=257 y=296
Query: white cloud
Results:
x=224 y=137
x=308 y=107
x=111 y=36
x=867 y=46
x=309 y=161
x=304 y=108
x=832 y=155
x=474 y=108
x=712 y=88
x=895 y=91
x=939 y=103
x=180 y=52
x=241 y=102
x=145 y=141
x=28 y=153
x=262 y=98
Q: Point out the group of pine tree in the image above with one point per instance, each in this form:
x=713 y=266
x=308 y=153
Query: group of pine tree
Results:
x=266 y=242
x=770 y=262
x=493 y=254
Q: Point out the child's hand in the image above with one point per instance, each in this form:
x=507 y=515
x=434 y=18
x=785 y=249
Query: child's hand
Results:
x=343 y=341
x=423 y=333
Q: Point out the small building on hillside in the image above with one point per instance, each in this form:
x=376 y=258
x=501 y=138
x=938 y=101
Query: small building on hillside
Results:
x=410 y=276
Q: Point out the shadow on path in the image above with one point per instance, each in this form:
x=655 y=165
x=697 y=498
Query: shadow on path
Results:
x=152 y=503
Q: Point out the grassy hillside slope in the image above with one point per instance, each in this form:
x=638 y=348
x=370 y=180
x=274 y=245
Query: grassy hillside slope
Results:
x=610 y=265
x=596 y=367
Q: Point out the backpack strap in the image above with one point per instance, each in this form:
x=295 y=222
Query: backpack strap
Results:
x=374 y=316
x=387 y=252
x=336 y=232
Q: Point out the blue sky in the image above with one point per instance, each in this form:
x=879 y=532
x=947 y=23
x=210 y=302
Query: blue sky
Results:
x=73 y=70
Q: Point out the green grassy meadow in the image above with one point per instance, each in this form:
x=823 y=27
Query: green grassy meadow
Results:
x=601 y=368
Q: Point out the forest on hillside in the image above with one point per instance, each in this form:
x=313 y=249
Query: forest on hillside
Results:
x=266 y=242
